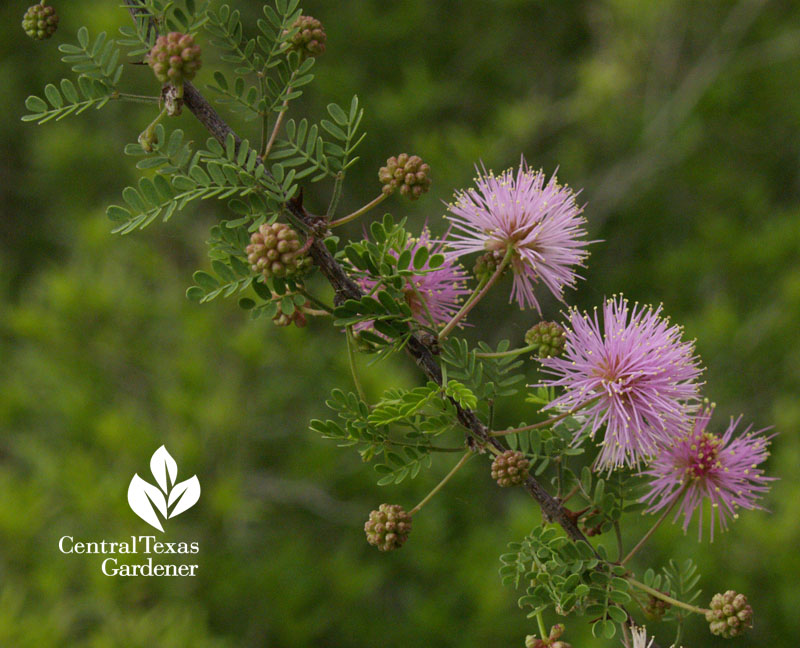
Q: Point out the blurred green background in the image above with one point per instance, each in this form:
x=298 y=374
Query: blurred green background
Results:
x=681 y=122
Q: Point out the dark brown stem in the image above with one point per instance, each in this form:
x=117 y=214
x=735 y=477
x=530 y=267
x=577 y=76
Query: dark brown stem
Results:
x=422 y=354
x=346 y=288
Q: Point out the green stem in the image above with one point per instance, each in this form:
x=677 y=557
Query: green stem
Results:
x=351 y=356
x=480 y=293
x=571 y=493
x=147 y=136
x=442 y=483
x=124 y=96
x=559 y=475
x=653 y=528
x=316 y=312
x=358 y=212
x=678 y=633
x=417 y=445
x=510 y=352
x=626 y=635
x=618 y=533
x=664 y=597
x=548 y=422
x=540 y=621
x=335 y=196
x=264 y=116
x=278 y=122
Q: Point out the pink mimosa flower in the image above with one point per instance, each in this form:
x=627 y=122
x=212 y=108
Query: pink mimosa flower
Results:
x=632 y=375
x=701 y=465
x=539 y=222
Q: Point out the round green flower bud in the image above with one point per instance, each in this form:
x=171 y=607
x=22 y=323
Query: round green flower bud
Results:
x=40 y=21
x=274 y=252
x=549 y=337
x=310 y=37
x=486 y=265
x=388 y=527
x=406 y=173
x=510 y=468
x=174 y=58
x=730 y=615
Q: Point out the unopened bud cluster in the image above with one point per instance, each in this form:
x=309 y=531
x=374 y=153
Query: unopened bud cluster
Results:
x=40 y=22
x=388 y=527
x=408 y=173
x=549 y=337
x=656 y=608
x=510 y=468
x=310 y=37
x=487 y=265
x=174 y=58
x=298 y=318
x=273 y=251
x=531 y=641
x=730 y=614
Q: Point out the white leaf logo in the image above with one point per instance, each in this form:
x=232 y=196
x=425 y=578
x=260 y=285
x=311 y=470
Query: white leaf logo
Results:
x=162 y=465
x=185 y=494
x=147 y=501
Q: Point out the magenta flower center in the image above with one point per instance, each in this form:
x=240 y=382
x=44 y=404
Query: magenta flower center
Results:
x=704 y=455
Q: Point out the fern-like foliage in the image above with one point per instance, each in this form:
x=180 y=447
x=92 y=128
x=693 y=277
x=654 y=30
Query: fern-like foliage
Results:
x=66 y=99
x=488 y=378
x=186 y=16
x=98 y=59
x=99 y=71
x=267 y=76
x=567 y=576
x=216 y=172
x=399 y=428
x=305 y=147
x=254 y=55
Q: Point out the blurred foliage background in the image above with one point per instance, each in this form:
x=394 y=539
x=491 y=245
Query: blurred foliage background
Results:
x=681 y=122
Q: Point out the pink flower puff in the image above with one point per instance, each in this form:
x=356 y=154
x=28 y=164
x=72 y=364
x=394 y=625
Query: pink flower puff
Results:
x=538 y=222
x=441 y=289
x=702 y=465
x=633 y=375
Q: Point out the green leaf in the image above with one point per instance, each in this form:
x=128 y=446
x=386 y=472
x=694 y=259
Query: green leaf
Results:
x=617 y=614
x=194 y=293
x=205 y=280
x=223 y=270
x=404 y=259
x=83 y=37
x=420 y=257
x=53 y=95
x=339 y=116
x=117 y=213
x=436 y=260
x=333 y=129
x=36 y=104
